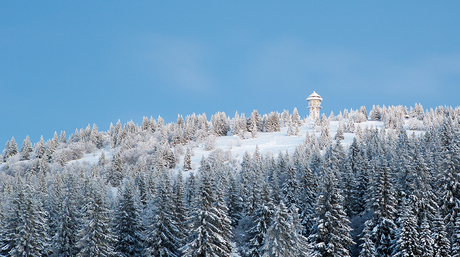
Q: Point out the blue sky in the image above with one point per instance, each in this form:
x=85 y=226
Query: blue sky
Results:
x=67 y=64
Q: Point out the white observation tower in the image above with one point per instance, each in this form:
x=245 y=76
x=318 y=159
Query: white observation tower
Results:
x=314 y=104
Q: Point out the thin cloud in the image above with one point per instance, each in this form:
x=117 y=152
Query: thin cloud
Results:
x=293 y=63
x=180 y=63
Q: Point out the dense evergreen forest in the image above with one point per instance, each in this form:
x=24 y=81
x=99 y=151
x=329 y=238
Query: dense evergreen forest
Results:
x=394 y=190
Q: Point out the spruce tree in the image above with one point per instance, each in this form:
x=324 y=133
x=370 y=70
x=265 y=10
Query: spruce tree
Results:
x=407 y=243
x=426 y=242
x=187 y=160
x=282 y=238
x=26 y=149
x=209 y=234
x=449 y=178
x=63 y=137
x=26 y=228
x=162 y=234
x=441 y=244
x=69 y=217
x=367 y=246
x=40 y=148
x=180 y=210
x=12 y=148
x=262 y=219
x=455 y=251
x=116 y=171
x=331 y=236
x=234 y=202
x=128 y=229
x=339 y=135
x=382 y=201
x=291 y=187
x=95 y=235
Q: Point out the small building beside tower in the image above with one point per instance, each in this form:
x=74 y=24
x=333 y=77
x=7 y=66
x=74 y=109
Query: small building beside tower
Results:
x=314 y=104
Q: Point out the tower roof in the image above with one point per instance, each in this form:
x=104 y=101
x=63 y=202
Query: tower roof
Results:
x=314 y=96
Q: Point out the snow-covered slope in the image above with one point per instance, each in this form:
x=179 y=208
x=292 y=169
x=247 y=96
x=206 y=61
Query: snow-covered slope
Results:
x=267 y=142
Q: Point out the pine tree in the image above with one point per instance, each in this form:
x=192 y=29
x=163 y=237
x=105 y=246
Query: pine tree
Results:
x=426 y=241
x=234 y=202
x=339 y=135
x=382 y=201
x=40 y=148
x=13 y=148
x=26 y=149
x=331 y=236
x=128 y=229
x=95 y=138
x=441 y=244
x=5 y=151
x=54 y=204
x=368 y=246
x=262 y=219
x=273 y=123
x=26 y=228
x=282 y=238
x=69 y=216
x=95 y=235
x=209 y=234
x=253 y=124
x=246 y=175
x=307 y=200
x=449 y=179
x=190 y=190
x=187 y=160
x=63 y=137
x=180 y=210
x=162 y=234
x=325 y=138
x=455 y=251
x=116 y=171
x=294 y=123
x=291 y=187
x=407 y=243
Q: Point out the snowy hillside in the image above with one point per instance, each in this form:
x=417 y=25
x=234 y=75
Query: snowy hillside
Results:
x=363 y=183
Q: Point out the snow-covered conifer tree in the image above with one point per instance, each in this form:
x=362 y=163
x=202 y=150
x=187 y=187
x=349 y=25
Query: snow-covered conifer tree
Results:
x=294 y=123
x=425 y=242
x=407 y=243
x=12 y=148
x=383 y=202
x=26 y=149
x=127 y=223
x=283 y=238
x=331 y=235
x=253 y=123
x=162 y=234
x=291 y=187
x=441 y=244
x=208 y=236
x=26 y=228
x=115 y=174
x=325 y=139
x=180 y=210
x=339 y=135
x=449 y=179
x=95 y=236
x=69 y=215
x=187 y=160
x=273 y=123
x=234 y=202
x=63 y=138
x=40 y=148
x=262 y=219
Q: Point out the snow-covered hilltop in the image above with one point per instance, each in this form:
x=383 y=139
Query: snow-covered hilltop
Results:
x=361 y=182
